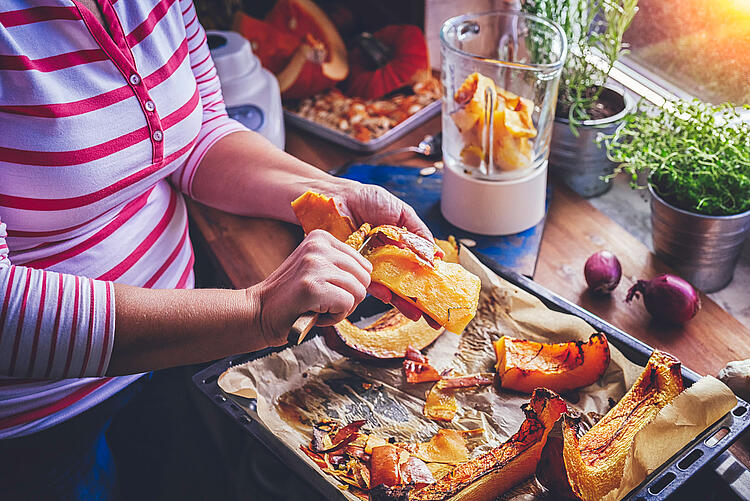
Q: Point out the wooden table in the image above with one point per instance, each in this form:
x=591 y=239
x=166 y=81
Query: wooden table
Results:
x=245 y=250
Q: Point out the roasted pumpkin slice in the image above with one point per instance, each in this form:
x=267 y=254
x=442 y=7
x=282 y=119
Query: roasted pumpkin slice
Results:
x=319 y=212
x=417 y=368
x=387 y=337
x=594 y=464
x=494 y=472
x=446 y=292
x=524 y=365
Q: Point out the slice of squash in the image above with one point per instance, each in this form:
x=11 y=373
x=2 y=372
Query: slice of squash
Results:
x=594 y=464
x=319 y=212
x=446 y=292
x=387 y=337
x=496 y=471
x=524 y=365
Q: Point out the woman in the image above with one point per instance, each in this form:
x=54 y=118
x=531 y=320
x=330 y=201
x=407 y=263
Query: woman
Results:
x=111 y=112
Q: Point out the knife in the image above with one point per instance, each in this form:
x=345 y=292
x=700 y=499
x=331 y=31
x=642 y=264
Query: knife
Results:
x=306 y=321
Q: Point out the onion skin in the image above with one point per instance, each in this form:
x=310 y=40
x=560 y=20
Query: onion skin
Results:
x=602 y=272
x=667 y=298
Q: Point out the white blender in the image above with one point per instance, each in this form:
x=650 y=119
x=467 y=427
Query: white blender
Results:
x=251 y=93
x=500 y=74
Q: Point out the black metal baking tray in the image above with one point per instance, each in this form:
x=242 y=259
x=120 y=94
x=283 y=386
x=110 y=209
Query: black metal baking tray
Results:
x=658 y=486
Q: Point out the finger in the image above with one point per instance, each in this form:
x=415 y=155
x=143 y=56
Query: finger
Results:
x=334 y=306
x=380 y=291
x=409 y=310
x=353 y=267
x=413 y=223
x=350 y=285
x=351 y=252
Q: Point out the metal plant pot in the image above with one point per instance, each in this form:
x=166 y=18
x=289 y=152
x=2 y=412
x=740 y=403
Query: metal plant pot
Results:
x=578 y=161
x=703 y=249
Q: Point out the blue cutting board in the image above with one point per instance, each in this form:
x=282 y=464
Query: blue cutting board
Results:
x=515 y=252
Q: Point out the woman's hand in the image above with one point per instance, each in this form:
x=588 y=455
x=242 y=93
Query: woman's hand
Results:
x=322 y=275
x=367 y=203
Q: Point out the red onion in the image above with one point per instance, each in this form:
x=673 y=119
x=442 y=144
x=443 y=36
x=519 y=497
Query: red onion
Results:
x=667 y=298
x=602 y=272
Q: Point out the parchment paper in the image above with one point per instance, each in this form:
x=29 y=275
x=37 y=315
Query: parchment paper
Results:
x=310 y=382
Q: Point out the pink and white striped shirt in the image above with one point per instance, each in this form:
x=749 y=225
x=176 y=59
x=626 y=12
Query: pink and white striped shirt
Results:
x=99 y=134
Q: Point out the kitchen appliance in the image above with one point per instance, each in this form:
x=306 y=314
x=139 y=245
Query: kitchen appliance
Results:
x=251 y=93
x=500 y=74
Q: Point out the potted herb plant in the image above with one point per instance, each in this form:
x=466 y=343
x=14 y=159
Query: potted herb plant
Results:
x=697 y=159
x=586 y=105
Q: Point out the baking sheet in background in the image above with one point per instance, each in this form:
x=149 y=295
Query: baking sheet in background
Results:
x=301 y=385
x=347 y=141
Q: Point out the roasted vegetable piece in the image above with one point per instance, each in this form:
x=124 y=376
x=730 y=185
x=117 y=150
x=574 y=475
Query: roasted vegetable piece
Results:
x=403 y=239
x=446 y=446
x=319 y=212
x=446 y=292
x=494 y=472
x=416 y=472
x=385 y=465
x=524 y=365
x=440 y=403
x=594 y=464
x=417 y=368
x=387 y=337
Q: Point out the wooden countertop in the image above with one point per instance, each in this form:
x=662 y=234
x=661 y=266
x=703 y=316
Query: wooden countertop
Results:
x=245 y=250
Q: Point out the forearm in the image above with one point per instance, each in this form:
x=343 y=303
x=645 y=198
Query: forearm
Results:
x=244 y=174
x=156 y=329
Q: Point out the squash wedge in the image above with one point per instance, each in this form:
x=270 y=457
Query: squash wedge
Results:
x=524 y=365
x=387 y=337
x=319 y=212
x=594 y=463
x=488 y=476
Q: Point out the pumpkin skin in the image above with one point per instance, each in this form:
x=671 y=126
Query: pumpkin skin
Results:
x=491 y=474
x=386 y=338
x=525 y=365
x=300 y=45
x=447 y=292
x=409 y=64
x=319 y=212
x=594 y=464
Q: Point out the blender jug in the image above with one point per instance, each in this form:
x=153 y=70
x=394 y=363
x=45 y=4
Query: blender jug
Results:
x=500 y=74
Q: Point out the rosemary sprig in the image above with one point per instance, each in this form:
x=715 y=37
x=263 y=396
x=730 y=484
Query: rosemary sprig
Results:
x=697 y=155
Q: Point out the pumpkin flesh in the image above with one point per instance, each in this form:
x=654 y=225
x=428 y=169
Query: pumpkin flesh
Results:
x=594 y=464
x=319 y=212
x=387 y=337
x=494 y=472
x=447 y=292
x=525 y=365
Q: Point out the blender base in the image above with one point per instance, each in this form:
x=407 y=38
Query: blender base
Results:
x=493 y=207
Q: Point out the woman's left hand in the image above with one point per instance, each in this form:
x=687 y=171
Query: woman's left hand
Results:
x=377 y=206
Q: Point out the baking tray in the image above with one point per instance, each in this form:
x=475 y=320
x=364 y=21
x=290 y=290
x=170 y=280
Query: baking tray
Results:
x=658 y=486
x=372 y=145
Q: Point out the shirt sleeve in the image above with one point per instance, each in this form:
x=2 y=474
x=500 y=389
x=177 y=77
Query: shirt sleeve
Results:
x=53 y=325
x=216 y=124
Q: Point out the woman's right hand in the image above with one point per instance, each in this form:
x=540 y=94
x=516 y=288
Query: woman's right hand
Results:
x=323 y=275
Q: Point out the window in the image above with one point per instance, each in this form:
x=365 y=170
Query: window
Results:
x=697 y=48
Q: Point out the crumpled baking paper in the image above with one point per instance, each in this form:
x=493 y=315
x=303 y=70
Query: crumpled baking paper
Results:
x=304 y=384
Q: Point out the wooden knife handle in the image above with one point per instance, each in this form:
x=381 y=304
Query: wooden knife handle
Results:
x=301 y=327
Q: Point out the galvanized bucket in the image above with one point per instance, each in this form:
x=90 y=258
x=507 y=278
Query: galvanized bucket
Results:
x=578 y=161
x=703 y=249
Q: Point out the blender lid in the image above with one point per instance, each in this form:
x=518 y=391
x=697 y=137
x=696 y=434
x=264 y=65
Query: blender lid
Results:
x=232 y=54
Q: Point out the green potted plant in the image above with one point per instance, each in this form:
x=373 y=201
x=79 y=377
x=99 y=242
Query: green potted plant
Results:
x=586 y=105
x=696 y=157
